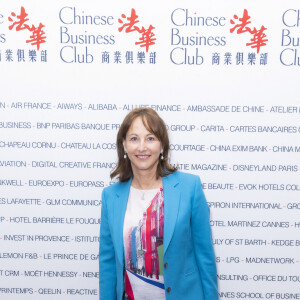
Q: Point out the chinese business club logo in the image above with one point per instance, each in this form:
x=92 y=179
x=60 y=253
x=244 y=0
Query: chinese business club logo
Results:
x=147 y=37
x=20 y=22
x=258 y=39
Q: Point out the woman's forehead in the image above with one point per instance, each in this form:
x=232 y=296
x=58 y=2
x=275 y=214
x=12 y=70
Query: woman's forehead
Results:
x=138 y=126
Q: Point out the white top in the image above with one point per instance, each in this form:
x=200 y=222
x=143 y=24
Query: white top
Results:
x=143 y=244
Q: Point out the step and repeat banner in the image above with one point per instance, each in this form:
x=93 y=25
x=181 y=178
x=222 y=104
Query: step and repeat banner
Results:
x=224 y=75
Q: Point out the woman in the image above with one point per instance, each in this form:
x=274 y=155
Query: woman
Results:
x=155 y=237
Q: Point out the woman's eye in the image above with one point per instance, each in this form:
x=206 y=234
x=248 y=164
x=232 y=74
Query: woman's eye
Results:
x=151 y=138
x=133 y=138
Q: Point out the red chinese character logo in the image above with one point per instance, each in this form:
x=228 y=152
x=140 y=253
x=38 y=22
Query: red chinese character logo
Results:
x=22 y=20
x=37 y=37
x=37 y=34
x=130 y=25
x=147 y=36
x=259 y=37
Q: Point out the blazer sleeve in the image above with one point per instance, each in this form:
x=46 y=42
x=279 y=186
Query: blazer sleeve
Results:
x=107 y=263
x=203 y=245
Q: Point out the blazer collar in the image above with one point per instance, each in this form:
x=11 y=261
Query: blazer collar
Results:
x=171 y=206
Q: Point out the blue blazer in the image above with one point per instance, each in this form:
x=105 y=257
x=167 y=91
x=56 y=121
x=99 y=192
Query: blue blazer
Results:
x=188 y=254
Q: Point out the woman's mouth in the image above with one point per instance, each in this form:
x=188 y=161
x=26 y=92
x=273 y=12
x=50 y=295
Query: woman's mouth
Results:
x=142 y=156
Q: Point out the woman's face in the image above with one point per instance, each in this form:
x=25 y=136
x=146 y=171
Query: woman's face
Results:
x=142 y=147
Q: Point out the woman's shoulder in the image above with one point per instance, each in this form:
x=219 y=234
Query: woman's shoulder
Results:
x=114 y=187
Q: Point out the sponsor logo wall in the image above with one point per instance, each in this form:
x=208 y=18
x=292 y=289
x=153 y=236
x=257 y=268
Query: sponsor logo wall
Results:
x=224 y=76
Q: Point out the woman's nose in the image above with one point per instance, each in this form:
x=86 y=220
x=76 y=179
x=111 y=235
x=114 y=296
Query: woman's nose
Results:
x=142 y=145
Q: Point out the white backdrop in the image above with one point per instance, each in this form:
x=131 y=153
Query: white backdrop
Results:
x=233 y=116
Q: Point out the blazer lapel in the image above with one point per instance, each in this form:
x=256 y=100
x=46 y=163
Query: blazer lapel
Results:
x=119 y=214
x=171 y=203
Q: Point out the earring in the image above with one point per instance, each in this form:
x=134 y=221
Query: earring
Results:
x=125 y=155
x=161 y=157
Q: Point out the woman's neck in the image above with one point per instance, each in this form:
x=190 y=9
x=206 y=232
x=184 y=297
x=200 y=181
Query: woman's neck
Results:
x=146 y=182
